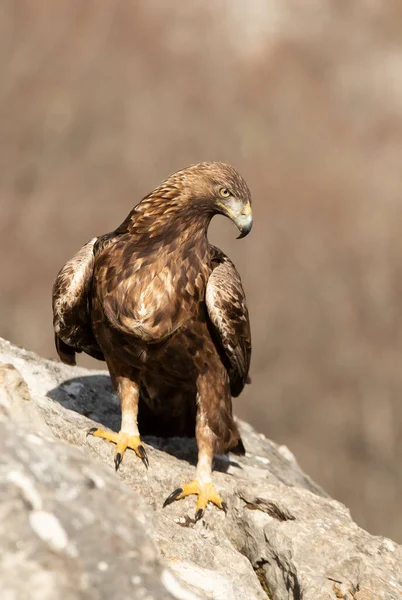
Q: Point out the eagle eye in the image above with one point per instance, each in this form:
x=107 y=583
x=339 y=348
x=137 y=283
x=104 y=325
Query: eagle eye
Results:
x=224 y=192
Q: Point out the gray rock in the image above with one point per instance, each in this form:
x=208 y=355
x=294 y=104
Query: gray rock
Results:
x=69 y=528
x=72 y=528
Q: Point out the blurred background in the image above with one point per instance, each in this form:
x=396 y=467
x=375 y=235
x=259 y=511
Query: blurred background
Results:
x=101 y=100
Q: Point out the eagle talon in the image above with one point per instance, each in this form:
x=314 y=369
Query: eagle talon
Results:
x=123 y=441
x=205 y=492
x=117 y=460
x=143 y=455
x=199 y=514
x=173 y=496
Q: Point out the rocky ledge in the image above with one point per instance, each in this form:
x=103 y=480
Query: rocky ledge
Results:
x=73 y=528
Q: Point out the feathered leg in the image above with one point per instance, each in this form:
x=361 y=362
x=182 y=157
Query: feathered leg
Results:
x=128 y=436
x=202 y=485
x=210 y=398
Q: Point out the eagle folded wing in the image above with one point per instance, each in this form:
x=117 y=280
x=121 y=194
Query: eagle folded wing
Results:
x=227 y=311
x=71 y=306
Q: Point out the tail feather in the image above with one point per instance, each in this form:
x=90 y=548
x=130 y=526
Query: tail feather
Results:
x=65 y=352
x=239 y=449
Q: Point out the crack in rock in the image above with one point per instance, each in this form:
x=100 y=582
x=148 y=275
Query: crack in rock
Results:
x=270 y=508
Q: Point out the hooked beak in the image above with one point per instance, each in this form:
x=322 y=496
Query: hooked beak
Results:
x=244 y=223
x=240 y=214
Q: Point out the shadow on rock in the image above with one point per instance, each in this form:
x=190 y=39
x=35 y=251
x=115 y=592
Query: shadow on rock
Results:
x=92 y=396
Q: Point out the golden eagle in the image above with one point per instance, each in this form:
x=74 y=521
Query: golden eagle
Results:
x=166 y=310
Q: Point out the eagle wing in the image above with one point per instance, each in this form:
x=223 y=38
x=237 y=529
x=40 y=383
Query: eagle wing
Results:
x=227 y=311
x=71 y=306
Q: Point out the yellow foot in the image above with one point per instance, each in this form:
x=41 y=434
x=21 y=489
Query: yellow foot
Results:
x=122 y=441
x=205 y=492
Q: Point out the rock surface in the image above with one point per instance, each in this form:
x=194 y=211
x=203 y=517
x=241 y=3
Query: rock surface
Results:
x=71 y=527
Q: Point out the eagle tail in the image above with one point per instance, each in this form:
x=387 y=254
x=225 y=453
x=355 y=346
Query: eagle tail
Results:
x=239 y=449
x=66 y=352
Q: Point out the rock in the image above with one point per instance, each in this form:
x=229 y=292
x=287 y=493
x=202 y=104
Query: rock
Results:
x=69 y=527
x=72 y=527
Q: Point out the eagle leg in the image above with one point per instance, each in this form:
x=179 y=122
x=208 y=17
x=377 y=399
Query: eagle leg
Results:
x=123 y=441
x=128 y=436
x=202 y=485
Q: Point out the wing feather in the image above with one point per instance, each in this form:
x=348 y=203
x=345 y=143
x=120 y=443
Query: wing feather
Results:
x=71 y=306
x=227 y=310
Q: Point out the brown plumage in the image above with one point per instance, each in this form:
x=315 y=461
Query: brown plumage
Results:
x=167 y=312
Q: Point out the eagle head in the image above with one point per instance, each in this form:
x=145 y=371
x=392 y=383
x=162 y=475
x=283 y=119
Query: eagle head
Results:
x=193 y=196
x=217 y=188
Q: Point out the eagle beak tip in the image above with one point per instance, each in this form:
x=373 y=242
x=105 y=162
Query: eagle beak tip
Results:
x=245 y=225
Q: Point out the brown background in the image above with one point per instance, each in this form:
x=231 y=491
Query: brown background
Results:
x=101 y=100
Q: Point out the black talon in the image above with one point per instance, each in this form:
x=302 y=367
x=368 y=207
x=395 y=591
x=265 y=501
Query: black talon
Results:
x=198 y=515
x=117 y=460
x=91 y=431
x=143 y=455
x=224 y=507
x=173 y=496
